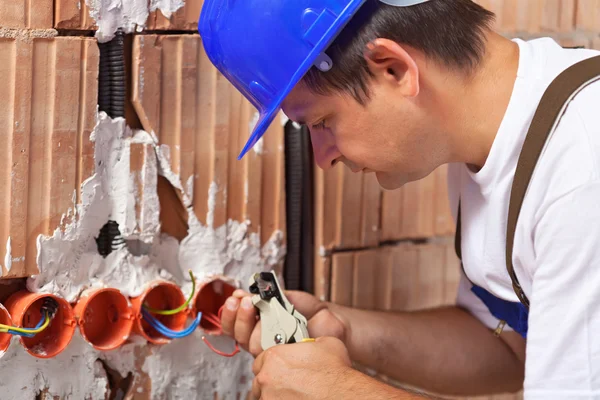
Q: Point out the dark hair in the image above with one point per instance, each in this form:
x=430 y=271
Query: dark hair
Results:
x=447 y=31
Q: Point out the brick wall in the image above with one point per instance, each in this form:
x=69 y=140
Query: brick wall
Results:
x=394 y=250
x=51 y=87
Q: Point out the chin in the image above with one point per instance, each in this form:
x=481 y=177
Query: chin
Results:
x=388 y=182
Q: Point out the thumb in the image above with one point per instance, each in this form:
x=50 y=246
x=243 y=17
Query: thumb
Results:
x=307 y=304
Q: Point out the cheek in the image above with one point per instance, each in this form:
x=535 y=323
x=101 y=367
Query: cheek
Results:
x=368 y=141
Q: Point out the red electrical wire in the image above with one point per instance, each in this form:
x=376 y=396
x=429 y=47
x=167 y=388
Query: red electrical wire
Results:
x=216 y=320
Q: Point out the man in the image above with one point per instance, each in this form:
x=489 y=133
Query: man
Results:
x=398 y=89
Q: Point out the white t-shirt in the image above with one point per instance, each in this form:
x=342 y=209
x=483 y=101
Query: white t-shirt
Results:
x=557 y=242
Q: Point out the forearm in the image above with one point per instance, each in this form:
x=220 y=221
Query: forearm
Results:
x=444 y=350
x=359 y=386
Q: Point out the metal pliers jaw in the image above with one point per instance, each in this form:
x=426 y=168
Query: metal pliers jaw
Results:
x=281 y=323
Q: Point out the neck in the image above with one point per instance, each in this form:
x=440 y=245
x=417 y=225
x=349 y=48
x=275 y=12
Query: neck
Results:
x=473 y=108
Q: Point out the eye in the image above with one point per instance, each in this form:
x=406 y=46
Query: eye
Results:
x=320 y=125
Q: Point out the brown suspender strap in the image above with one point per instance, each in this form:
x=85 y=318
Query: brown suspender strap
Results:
x=547 y=116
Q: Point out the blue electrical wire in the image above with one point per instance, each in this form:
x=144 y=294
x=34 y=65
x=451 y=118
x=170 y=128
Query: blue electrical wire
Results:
x=29 y=335
x=169 y=333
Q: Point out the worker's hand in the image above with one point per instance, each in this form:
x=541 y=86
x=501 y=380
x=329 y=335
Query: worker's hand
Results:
x=302 y=371
x=239 y=319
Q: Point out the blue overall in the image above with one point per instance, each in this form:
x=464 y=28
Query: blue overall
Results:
x=514 y=314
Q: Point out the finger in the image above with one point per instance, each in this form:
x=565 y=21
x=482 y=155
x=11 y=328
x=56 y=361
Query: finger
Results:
x=307 y=304
x=255 y=345
x=258 y=362
x=245 y=322
x=228 y=315
x=255 y=389
x=239 y=293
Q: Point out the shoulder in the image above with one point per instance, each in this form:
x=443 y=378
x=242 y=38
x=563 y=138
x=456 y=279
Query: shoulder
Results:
x=571 y=157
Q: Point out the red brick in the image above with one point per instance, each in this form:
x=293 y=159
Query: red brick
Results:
x=452 y=274
x=363 y=281
x=413 y=213
x=370 y=210
x=73 y=14
x=382 y=271
x=204 y=122
x=509 y=16
x=348 y=234
x=50 y=90
x=322 y=274
x=558 y=15
x=404 y=261
x=596 y=42
x=273 y=200
x=347 y=209
x=26 y=14
x=495 y=6
x=576 y=40
x=588 y=15
x=444 y=222
x=392 y=214
x=432 y=265
x=184 y=19
x=342 y=278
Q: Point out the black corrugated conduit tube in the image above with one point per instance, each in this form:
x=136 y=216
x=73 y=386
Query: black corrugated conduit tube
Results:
x=112 y=76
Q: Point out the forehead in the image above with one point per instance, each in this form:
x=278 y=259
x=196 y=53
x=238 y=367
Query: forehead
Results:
x=302 y=103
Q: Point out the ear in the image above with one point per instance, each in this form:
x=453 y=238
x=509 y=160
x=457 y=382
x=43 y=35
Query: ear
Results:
x=389 y=62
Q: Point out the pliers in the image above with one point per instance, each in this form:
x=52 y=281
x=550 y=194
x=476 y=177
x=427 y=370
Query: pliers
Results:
x=281 y=323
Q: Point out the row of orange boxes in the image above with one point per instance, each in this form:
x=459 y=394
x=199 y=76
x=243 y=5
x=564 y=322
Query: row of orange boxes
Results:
x=106 y=318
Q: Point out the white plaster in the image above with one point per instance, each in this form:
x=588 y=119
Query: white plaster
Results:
x=130 y=15
x=259 y=146
x=190 y=186
x=322 y=251
x=253 y=122
x=72 y=374
x=110 y=15
x=212 y=201
x=68 y=260
x=7 y=257
x=186 y=370
x=166 y=7
x=283 y=119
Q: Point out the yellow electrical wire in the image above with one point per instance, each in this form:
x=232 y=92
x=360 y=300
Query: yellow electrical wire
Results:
x=180 y=308
x=6 y=328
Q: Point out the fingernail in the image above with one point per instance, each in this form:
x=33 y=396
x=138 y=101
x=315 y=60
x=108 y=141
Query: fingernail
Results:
x=247 y=303
x=231 y=304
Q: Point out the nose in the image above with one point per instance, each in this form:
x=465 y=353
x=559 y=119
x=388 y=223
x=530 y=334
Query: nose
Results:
x=324 y=149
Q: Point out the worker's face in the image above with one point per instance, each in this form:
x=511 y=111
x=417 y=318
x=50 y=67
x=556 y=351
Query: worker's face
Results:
x=389 y=136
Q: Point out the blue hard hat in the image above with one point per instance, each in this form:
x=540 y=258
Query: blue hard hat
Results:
x=265 y=47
